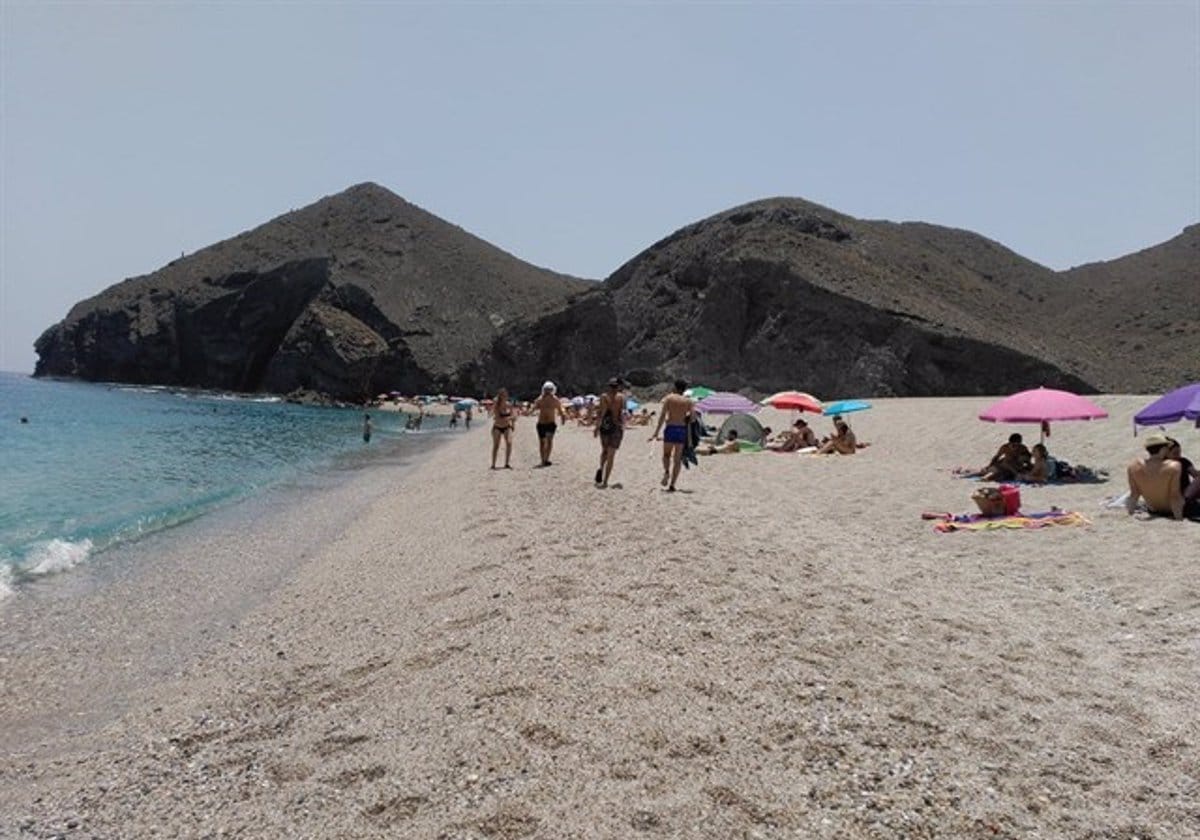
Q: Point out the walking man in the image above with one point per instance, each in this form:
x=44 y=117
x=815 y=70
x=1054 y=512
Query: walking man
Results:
x=676 y=414
x=610 y=429
x=549 y=409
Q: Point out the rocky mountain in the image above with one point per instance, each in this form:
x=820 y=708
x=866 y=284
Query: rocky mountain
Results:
x=1137 y=318
x=784 y=293
x=363 y=292
x=357 y=293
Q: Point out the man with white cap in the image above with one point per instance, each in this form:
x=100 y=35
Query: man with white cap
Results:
x=1155 y=479
x=549 y=409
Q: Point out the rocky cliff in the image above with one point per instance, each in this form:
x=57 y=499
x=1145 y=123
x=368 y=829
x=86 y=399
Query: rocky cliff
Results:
x=357 y=293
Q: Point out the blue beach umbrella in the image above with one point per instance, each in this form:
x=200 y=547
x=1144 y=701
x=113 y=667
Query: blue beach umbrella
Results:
x=845 y=407
x=632 y=405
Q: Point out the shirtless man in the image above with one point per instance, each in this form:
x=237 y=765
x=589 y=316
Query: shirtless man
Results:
x=548 y=409
x=610 y=428
x=804 y=434
x=843 y=441
x=1010 y=460
x=1156 y=480
x=676 y=414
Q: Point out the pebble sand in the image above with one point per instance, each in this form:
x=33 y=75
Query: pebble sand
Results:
x=784 y=648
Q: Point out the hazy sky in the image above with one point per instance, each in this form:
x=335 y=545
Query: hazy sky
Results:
x=574 y=135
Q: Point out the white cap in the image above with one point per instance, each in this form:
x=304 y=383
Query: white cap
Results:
x=548 y=386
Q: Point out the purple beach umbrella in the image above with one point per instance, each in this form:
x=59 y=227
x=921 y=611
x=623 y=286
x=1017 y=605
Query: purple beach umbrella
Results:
x=1182 y=403
x=726 y=402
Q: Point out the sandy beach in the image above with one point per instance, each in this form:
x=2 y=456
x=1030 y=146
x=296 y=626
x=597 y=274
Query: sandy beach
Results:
x=785 y=648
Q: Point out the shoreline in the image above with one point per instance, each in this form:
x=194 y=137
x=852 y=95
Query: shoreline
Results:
x=141 y=601
x=783 y=647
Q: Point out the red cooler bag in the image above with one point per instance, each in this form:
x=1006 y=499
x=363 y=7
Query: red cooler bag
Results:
x=1012 y=499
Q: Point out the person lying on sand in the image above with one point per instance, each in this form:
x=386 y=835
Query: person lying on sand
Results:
x=1155 y=479
x=842 y=441
x=729 y=447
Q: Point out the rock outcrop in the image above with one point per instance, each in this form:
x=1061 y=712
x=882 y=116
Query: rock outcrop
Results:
x=783 y=294
x=357 y=293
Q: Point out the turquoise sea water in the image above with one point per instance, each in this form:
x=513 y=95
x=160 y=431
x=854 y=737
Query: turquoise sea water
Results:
x=100 y=465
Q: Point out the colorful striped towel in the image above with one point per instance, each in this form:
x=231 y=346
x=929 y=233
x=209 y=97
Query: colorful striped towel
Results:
x=1023 y=521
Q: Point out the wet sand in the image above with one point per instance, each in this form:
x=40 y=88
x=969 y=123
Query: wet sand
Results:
x=783 y=648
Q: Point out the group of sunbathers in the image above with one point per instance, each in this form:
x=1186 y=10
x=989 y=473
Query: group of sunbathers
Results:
x=801 y=437
x=1014 y=461
x=1163 y=482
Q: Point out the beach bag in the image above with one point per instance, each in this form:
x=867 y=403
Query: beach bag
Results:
x=1004 y=500
x=1012 y=499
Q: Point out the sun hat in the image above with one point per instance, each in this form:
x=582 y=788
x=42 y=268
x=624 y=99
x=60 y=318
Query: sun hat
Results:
x=549 y=386
x=1156 y=439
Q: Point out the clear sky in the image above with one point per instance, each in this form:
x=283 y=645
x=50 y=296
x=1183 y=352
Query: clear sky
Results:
x=574 y=135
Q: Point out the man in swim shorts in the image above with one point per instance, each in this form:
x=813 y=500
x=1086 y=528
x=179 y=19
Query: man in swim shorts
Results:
x=676 y=414
x=549 y=409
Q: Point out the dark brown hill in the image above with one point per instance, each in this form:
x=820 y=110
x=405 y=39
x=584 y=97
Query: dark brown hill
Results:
x=1139 y=316
x=363 y=292
x=784 y=293
x=358 y=292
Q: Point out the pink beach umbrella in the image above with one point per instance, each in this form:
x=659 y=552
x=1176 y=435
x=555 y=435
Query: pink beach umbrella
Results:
x=795 y=401
x=1042 y=405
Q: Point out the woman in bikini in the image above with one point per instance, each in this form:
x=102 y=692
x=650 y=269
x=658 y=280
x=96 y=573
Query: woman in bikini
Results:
x=503 y=421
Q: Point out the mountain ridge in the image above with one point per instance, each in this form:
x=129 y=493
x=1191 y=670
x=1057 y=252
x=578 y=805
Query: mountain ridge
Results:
x=362 y=291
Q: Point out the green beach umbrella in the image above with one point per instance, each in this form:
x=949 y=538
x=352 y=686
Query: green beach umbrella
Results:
x=698 y=392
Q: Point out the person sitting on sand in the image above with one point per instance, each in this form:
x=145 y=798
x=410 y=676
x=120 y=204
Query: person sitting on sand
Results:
x=800 y=436
x=842 y=441
x=1010 y=460
x=1189 y=477
x=1155 y=479
x=729 y=447
x=1042 y=467
x=803 y=434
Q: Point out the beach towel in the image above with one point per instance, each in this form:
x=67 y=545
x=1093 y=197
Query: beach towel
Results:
x=695 y=432
x=1064 y=474
x=1026 y=521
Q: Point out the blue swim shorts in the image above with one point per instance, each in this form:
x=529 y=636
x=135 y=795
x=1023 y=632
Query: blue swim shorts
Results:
x=675 y=434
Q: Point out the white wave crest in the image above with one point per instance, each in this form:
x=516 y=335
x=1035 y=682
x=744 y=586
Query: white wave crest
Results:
x=56 y=556
x=5 y=582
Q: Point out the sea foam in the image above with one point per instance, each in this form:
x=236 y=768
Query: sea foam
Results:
x=55 y=556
